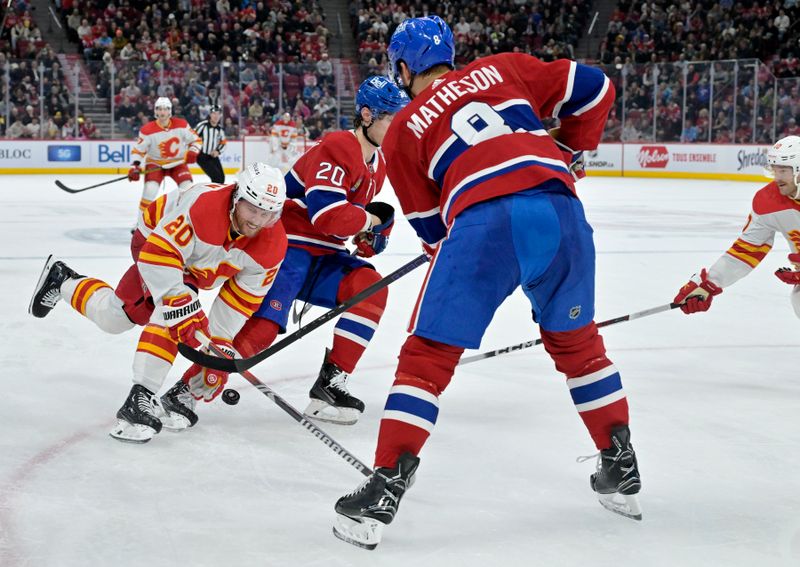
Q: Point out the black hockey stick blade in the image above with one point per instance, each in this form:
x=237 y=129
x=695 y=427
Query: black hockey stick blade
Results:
x=82 y=189
x=241 y=364
x=110 y=181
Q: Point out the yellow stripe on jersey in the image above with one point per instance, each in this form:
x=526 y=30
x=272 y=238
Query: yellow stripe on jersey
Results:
x=160 y=260
x=235 y=303
x=156 y=351
x=245 y=295
x=750 y=254
x=155 y=212
x=764 y=248
x=84 y=291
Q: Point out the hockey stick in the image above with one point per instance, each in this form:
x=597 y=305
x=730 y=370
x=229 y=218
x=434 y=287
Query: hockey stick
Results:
x=60 y=185
x=299 y=417
x=528 y=344
x=241 y=364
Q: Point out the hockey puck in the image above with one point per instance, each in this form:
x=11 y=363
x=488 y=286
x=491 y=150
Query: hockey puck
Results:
x=230 y=397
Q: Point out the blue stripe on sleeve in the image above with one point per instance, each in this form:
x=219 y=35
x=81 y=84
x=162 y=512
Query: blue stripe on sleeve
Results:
x=587 y=85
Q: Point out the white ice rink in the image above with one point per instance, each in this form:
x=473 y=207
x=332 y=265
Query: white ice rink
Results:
x=715 y=402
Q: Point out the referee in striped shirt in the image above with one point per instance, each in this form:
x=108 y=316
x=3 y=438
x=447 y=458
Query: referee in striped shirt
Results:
x=213 y=137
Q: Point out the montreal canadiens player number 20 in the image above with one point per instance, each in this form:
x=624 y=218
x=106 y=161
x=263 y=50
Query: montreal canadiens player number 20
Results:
x=491 y=194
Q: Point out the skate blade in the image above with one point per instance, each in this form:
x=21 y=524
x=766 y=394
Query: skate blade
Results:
x=365 y=534
x=622 y=504
x=43 y=276
x=174 y=422
x=132 y=433
x=323 y=411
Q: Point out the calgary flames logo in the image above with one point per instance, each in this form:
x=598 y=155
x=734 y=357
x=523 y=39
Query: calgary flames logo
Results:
x=169 y=147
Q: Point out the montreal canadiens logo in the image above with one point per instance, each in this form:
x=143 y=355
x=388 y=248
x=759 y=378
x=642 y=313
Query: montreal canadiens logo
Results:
x=276 y=305
x=653 y=156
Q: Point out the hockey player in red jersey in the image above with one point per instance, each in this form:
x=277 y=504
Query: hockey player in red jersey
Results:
x=208 y=236
x=166 y=145
x=776 y=209
x=330 y=193
x=491 y=195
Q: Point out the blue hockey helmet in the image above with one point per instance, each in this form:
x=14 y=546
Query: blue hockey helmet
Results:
x=380 y=95
x=421 y=43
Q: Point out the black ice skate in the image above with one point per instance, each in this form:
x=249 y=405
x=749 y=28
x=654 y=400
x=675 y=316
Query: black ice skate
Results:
x=617 y=478
x=48 y=288
x=179 y=406
x=137 y=418
x=330 y=399
x=362 y=514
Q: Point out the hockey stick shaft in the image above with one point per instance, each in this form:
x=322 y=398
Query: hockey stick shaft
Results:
x=241 y=364
x=60 y=185
x=300 y=418
x=528 y=344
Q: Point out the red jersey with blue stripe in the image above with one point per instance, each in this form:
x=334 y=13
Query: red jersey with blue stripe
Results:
x=476 y=134
x=327 y=190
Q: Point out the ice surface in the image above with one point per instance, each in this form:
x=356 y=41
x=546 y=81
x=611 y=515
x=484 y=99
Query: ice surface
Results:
x=715 y=402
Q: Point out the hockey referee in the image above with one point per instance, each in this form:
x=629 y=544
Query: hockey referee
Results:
x=213 y=136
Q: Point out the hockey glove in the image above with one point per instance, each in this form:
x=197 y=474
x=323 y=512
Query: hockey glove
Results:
x=374 y=240
x=205 y=383
x=134 y=172
x=789 y=275
x=191 y=157
x=184 y=316
x=696 y=295
x=574 y=159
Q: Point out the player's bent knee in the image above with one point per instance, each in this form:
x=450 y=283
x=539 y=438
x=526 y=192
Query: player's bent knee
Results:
x=574 y=352
x=428 y=361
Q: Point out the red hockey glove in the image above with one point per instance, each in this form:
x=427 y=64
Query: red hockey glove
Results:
x=374 y=240
x=696 y=295
x=134 y=172
x=204 y=383
x=789 y=275
x=184 y=316
x=191 y=157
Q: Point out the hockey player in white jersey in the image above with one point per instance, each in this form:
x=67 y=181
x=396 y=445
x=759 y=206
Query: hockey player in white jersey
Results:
x=167 y=145
x=206 y=237
x=776 y=209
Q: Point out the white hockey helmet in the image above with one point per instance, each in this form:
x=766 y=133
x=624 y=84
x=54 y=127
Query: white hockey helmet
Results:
x=263 y=186
x=163 y=102
x=786 y=151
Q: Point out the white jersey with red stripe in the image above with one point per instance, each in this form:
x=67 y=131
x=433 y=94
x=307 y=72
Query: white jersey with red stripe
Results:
x=327 y=190
x=772 y=213
x=166 y=147
x=477 y=133
x=189 y=234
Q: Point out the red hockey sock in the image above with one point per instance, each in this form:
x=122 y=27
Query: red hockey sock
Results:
x=423 y=372
x=357 y=325
x=593 y=381
x=256 y=335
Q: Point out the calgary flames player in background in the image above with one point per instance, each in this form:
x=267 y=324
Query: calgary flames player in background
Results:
x=167 y=145
x=776 y=208
x=209 y=236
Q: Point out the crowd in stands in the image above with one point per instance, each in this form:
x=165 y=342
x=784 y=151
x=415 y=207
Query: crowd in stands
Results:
x=722 y=105
x=548 y=29
x=251 y=58
x=256 y=58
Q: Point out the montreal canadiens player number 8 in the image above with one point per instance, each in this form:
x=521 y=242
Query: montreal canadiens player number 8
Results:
x=491 y=194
